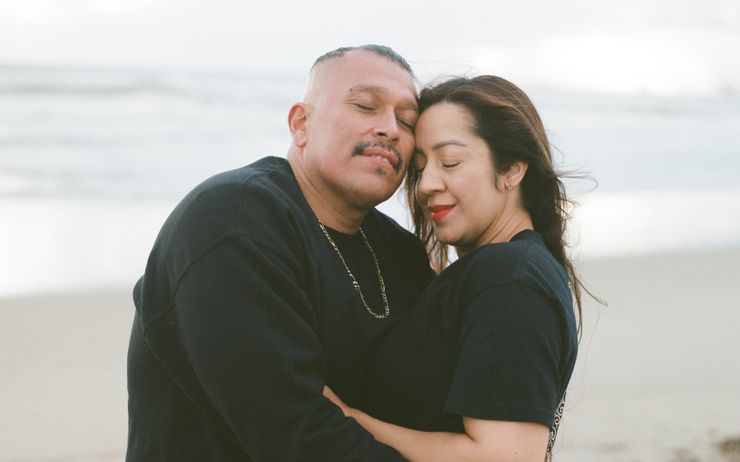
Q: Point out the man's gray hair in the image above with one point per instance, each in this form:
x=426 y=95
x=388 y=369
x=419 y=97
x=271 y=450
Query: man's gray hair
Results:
x=380 y=50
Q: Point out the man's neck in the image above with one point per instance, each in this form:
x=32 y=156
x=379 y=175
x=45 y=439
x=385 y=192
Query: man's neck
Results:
x=328 y=208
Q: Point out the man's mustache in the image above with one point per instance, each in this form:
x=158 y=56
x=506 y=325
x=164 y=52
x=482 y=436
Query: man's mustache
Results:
x=360 y=148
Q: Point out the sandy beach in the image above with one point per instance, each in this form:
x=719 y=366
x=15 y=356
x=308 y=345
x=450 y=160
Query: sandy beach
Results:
x=658 y=377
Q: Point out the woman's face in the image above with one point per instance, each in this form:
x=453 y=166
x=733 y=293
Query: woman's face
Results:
x=457 y=187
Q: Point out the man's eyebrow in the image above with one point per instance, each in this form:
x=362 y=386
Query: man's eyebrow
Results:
x=368 y=88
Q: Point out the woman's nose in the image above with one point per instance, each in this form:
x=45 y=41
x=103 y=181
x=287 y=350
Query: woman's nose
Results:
x=429 y=182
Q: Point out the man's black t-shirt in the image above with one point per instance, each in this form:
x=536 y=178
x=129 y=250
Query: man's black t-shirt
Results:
x=245 y=311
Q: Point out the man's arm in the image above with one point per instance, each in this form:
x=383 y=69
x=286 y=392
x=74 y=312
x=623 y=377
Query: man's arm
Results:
x=240 y=340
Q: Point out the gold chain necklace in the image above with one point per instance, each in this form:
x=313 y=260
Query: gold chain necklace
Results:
x=356 y=284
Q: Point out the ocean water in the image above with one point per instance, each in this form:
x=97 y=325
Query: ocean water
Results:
x=92 y=161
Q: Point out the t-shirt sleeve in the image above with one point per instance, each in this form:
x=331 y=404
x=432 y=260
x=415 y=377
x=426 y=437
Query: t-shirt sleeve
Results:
x=509 y=356
x=240 y=340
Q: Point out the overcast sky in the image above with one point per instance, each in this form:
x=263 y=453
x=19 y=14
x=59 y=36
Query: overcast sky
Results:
x=655 y=46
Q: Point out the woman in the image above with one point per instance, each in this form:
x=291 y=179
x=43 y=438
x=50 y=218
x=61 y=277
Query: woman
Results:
x=478 y=369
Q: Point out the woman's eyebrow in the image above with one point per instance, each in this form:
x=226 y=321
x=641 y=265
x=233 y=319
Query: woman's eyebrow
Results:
x=442 y=144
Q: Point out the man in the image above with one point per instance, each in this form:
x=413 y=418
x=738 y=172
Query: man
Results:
x=269 y=281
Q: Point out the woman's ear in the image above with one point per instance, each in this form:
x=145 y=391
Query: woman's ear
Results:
x=297 y=122
x=515 y=174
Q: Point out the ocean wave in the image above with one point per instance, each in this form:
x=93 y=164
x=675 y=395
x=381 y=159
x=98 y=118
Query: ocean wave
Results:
x=35 y=82
x=89 y=89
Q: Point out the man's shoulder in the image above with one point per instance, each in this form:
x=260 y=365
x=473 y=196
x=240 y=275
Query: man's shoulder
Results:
x=255 y=202
x=241 y=199
x=269 y=176
x=256 y=205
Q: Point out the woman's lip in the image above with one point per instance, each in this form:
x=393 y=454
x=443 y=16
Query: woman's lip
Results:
x=440 y=211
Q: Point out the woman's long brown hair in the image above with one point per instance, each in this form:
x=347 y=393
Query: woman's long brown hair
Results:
x=508 y=122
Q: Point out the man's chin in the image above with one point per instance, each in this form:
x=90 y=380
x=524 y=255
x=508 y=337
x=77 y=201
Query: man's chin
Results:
x=373 y=197
x=374 y=201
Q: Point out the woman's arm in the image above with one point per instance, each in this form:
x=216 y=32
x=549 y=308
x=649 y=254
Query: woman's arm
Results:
x=483 y=440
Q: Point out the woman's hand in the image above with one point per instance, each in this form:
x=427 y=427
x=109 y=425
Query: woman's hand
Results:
x=338 y=401
x=488 y=440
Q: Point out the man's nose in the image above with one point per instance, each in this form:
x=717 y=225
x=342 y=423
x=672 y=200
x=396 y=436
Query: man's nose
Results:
x=386 y=125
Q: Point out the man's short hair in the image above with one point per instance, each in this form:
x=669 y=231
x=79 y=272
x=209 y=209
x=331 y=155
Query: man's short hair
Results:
x=380 y=50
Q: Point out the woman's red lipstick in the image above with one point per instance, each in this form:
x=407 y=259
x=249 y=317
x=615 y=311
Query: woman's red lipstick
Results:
x=440 y=211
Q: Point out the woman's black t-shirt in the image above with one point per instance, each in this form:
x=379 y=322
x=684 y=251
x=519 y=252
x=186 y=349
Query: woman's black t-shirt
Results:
x=493 y=337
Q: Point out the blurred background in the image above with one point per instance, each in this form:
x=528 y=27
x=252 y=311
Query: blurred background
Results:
x=112 y=110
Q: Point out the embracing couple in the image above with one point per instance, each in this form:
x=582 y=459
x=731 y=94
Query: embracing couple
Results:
x=281 y=317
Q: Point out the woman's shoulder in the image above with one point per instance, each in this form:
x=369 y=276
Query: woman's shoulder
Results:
x=502 y=260
x=523 y=260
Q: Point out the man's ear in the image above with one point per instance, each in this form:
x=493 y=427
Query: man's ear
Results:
x=297 y=122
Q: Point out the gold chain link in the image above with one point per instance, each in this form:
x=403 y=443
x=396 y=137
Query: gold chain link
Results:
x=356 y=284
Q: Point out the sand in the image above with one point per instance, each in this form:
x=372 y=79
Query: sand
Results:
x=63 y=386
x=658 y=376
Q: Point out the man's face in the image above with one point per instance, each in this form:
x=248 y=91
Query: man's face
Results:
x=359 y=134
